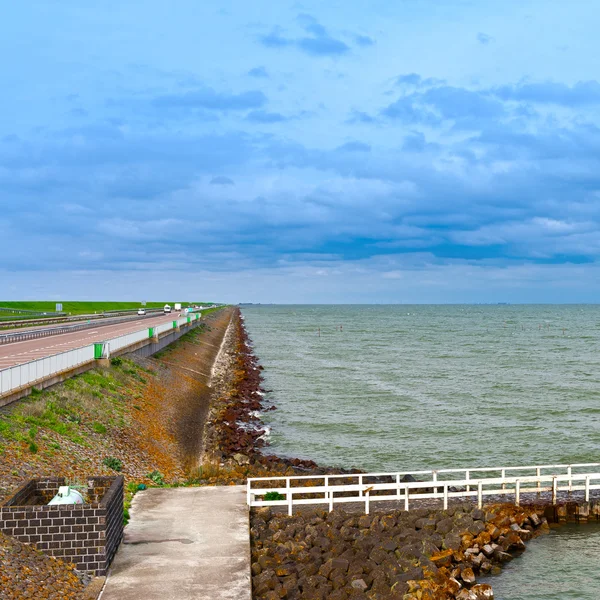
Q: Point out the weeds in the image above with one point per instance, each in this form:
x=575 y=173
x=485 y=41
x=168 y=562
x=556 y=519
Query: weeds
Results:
x=113 y=463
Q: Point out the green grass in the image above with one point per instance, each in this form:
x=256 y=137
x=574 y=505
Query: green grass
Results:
x=80 y=308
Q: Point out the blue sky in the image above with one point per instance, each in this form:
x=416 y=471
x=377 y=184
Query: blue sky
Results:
x=348 y=151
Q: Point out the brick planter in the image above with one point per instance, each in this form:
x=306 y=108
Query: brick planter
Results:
x=87 y=535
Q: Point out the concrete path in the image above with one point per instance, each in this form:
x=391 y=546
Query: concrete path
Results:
x=183 y=544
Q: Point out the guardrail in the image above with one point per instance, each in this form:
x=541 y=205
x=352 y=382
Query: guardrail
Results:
x=14 y=378
x=378 y=487
x=21 y=336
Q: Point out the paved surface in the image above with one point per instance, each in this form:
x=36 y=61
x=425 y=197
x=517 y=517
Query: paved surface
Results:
x=184 y=544
x=17 y=353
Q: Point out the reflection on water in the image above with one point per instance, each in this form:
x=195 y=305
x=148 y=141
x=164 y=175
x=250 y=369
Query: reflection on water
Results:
x=564 y=565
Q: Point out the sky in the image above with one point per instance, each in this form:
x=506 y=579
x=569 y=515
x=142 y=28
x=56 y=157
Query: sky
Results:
x=354 y=151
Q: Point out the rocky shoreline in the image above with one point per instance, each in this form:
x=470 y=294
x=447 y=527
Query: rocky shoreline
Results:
x=423 y=554
x=234 y=435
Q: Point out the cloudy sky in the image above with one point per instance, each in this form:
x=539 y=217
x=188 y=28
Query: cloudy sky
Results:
x=340 y=151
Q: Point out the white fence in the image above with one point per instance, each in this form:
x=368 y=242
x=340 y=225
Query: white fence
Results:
x=441 y=484
x=30 y=373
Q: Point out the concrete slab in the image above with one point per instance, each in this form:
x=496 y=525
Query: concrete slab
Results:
x=183 y=544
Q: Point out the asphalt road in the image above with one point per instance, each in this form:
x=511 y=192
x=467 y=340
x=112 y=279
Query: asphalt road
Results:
x=17 y=353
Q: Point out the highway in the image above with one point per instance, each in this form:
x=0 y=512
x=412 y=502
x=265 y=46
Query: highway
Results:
x=17 y=353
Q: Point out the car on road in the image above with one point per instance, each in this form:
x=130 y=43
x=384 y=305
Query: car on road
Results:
x=167 y=309
x=141 y=311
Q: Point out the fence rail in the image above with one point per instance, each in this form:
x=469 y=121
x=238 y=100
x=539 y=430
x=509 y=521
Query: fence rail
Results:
x=377 y=487
x=28 y=374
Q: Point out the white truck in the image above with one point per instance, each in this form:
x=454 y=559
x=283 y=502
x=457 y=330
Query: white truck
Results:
x=177 y=306
x=167 y=309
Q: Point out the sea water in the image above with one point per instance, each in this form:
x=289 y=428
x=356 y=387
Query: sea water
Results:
x=401 y=387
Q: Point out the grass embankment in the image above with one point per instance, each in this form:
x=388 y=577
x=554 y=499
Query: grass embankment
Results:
x=82 y=308
x=140 y=418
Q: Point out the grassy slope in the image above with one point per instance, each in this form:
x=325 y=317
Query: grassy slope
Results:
x=79 y=308
x=127 y=411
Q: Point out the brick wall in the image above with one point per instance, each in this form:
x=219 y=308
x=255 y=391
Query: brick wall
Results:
x=87 y=535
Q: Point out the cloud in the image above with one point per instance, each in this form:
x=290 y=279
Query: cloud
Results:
x=259 y=72
x=319 y=42
x=262 y=116
x=221 y=180
x=364 y=40
x=209 y=99
x=274 y=39
x=358 y=116
x=354 y=147
x=581 y=93
x=484 y=38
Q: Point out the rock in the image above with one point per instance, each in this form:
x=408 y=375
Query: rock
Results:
x=468 y=576
x=466 y=595
x=359 y=584
x=535 y=519
x=442 y=559
x=483 y=591
x=340 y=563
x=444 y=526
x=241 y=459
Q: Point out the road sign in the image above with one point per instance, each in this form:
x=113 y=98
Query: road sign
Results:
x=58 y=307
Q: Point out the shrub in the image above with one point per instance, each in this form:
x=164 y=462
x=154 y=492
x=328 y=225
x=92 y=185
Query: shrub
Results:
x=274 y=496
x=157 y=477
x=33 y=448
x=113 y=463
x=116 y=361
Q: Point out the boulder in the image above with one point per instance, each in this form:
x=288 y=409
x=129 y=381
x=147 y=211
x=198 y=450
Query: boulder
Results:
x=483 y=591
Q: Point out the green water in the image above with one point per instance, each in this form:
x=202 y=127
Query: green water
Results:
x=406 y=387
x=564 y=565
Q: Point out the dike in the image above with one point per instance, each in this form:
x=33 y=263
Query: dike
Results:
x=140 y=417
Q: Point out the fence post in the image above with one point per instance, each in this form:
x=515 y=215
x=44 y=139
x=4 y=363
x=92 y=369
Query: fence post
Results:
x=479 y=494
x=554 y=489
x=570 y=479
x=406 y=497
x=367 y=503
x=503 y=475
x=445 y=496
x=434 y=477
x=468 y=477
x=538 y=472
x=398 y=486
x=587 y=488
x=360 y=483
x=289 y=495
x=517 y=492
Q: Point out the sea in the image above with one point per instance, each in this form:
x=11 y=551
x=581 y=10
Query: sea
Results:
x=407 y=387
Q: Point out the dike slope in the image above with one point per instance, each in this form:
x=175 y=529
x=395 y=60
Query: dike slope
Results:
x=141 y=416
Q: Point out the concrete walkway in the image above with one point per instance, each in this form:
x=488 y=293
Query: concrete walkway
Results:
x=183 y=544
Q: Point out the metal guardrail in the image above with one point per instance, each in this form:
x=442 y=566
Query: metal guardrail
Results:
x=369 y=487
x=21 y=336
x=14 y=378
